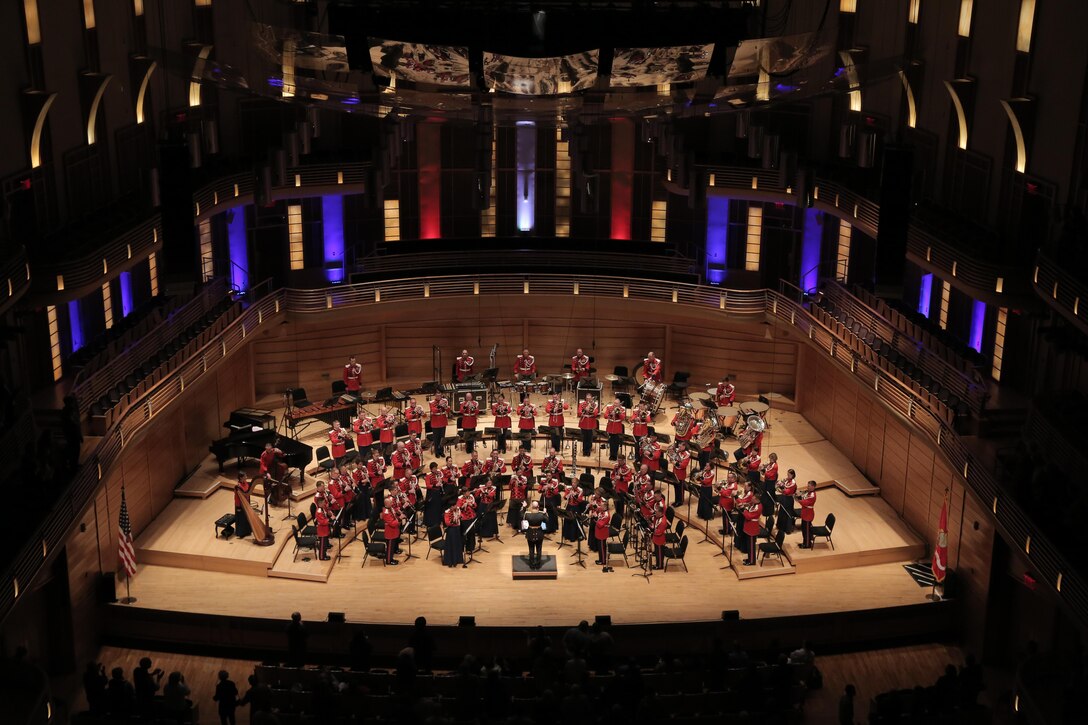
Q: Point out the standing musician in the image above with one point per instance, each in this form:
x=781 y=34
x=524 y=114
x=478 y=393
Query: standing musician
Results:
x=375 y=469
x=551 y=498
x=241 y=500
x=651 y=368
x=727 y=392
x=614 y=416
x=469 y=410
x=434 y=504
x=524 y=366
x=454 y=552
x=554 y=408
x=601 y=518
x=751 y=462
x=494 y=466
x=588 y=413
x=321 y=524
x=364 y=435
x=535 y=524
x=640 y=423
x=273 y=464
x=519 y=490
x=645 y=494
x=402 y=461
x=471 y=469
x=621 y=475
x=501 y=410
x=523 y=462
x=463 y=367
x=552 y=465
x=727 y=494
x=387 y=423
x=770 y=481
x=413 y=415
x=684 y=422
x=467 y=503
x=705 y=477
x=807 y=499
x=414 y=446
x=363 y=502
x=450 y=474
x=489 y=521
x=353 y=376
x=526 y=415
x=751 y=513
x=786 y=490
x=650 y=453
x=575 y=501
x=660 y=526
x=681 y=460
x=338 y=438
x=392 y=520
x=440 y=409
x=579 y=366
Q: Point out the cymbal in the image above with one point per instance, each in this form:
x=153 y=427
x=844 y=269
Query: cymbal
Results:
x=699 y=396
x=567 y=376
x=367 y=394
x=612 y=378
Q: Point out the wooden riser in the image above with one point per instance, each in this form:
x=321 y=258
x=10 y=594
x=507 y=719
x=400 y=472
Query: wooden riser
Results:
x=315 y=570
x=205 y=563
x=851 y=486
x=769 y=568
x=827 y=560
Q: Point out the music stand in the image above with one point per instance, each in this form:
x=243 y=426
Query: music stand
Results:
x=415 y=532
x=573 y=516
x=561 y=513
x=471 y=552
x=733 y=527
x=648 y=553
x=691 y=490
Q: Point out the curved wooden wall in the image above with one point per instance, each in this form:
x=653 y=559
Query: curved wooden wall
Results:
x=393 y=342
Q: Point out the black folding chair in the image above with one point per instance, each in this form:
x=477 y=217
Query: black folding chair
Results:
x=825 y=530
x=676 y=553
x=773 y=548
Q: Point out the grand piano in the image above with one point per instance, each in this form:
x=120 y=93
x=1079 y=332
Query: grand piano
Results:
x=247 y=441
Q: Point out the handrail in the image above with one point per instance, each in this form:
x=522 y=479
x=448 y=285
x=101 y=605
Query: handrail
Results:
x=490 y=259
x=90 y=388
x=1062 y=290
x=14 y=278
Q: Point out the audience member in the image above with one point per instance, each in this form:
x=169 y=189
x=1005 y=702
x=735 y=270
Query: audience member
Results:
x=120 y=695
x=296 y=641
x=422 y=644
x=846 y=705
x=175 y=695
x=258 y=697
x=94 y=687
x=226 y=695
x=146 y=683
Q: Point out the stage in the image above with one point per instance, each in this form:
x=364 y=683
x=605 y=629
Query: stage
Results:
x=184 y=568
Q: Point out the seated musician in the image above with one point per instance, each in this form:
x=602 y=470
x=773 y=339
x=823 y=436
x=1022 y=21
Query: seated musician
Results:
x=525 y=366
x=353 y=376
x=469 y=411
x=652 y=371
x=579 y=365
x=554 y=408
x=726 y=394
x=338 y=440
x=364 y=436
x=413 y=416
x=463 y=366
x=501 y=410
x=241 y=499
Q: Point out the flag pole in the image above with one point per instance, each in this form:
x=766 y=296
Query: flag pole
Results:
x=128 y=598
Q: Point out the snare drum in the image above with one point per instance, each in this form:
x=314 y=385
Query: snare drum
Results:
x=542 y=387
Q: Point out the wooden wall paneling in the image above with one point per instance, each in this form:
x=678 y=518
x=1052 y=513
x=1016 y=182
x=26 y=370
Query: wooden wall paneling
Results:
x=894 y=463
x=916 y=502
x=134 y=477
x=859 y=446
x=845 y=418
x=711 y=351
x=82 y=549
x=874 y=458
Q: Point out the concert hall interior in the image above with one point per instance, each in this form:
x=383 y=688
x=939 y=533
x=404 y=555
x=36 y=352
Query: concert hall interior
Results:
x=367 y=311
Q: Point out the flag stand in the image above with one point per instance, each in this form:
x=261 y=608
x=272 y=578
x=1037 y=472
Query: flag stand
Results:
x=128 y=598
x=933 y=596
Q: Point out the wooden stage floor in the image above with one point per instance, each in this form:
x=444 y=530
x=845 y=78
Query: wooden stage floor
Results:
x=183 y=567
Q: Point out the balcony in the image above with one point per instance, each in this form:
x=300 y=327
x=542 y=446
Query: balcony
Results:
x=1062 y=288
x=14 y=278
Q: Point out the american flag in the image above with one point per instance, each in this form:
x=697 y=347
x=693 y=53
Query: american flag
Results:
x=125 y=552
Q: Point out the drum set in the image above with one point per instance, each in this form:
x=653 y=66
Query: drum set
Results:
x=737 y=420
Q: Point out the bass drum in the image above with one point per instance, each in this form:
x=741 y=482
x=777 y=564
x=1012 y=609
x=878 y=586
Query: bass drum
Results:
x=653 y=393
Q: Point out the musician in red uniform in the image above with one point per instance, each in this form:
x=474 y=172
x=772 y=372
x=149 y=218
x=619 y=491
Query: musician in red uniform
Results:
x=450 y=475
x=470 y=469
x=402 y=461
x=501 y=410
x=621 y=476
x=640 y=423
x=387 y=423
x=602 y=529
x=786 y=490
x=364 y=433
x=469 y=411
x=241 y=500
x=489 y=517
x=683 y=422
x=588 y=413
x=614 y=415
x=519 y=491
x=652 y=369
x=392 y=521
x=353 y=375
x=556 y=421
x=526 y=418
x=705 y=478
x=324 y=530
x=660 y=526
x=751 y=513
x=466 y=502
x=375 y=469
x=440 y=409
x=414 y=446
x=752 y=462
x=525 y=366
x=808 y=514
x=463 y=367
x=727 y=392
x=681 y=461
x=579 y=365
x=272 y=463
x=769 y=469
x=650 y=452
x=552 y=464
x=338 y=439
x=522 y=463
x=413 y=416
x=494 y=466
x=727 y=494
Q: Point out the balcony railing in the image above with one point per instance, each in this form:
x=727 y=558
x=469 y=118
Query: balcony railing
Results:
x=238 y=189
x=14 y=278
x=1061 y=288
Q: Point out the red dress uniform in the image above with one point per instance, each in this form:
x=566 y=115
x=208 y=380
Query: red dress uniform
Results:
x=413 y=414
x=681 y=467
x=726 y=496
x=321 y=523
x=347 y=485
x=526 y=416
x=687 y=433
x=522 y=464
x=579 y=366
x=433 y=480
x=375 y=470
x=519 y=487
x=601 y=528
x=495 y=466
x=439 y=411
x=652 y=370
x=651 y=455
x=525 y=365
x=467 y=504
x=472 y=467
x=574 y=496
x=270 y=464
x=469 y=410
x=588 y=415
x=353 y=376
x=751 y=528
x=338 y=440
x=336 y=494
x=555 y=409
x=640 y=420
x=808 y=506
x=463 y=368
x=614 y=416
x=745 y=497
x=646 y=502
x=240 y=490
x=387 y=423
x=727 y=395
x=449 y=474
x=486 y=494
x=552 y=465
x=753 y=462
x=392 y=531
x=415 y=454
x=408 y=486
x=402 y=462
x=621 y=477
x=501 y=411
x=661 y=527
x=789 y=487
x=770 y=473
x=363 y=427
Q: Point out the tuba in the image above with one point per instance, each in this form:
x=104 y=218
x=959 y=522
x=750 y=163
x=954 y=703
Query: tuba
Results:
x=684 y=420
x=708 y=432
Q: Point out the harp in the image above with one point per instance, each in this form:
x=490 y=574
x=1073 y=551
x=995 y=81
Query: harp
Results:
x=262 y=534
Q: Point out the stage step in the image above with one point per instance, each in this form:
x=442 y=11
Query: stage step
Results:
x=307 y=567
x=851 y=486
x=770 y=568
x=823 y=558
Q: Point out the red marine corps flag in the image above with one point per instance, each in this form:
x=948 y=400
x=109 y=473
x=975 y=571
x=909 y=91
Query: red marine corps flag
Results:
x=126 y=553
x=939 y=565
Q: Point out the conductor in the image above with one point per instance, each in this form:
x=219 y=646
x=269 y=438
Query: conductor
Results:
x=534 y=524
